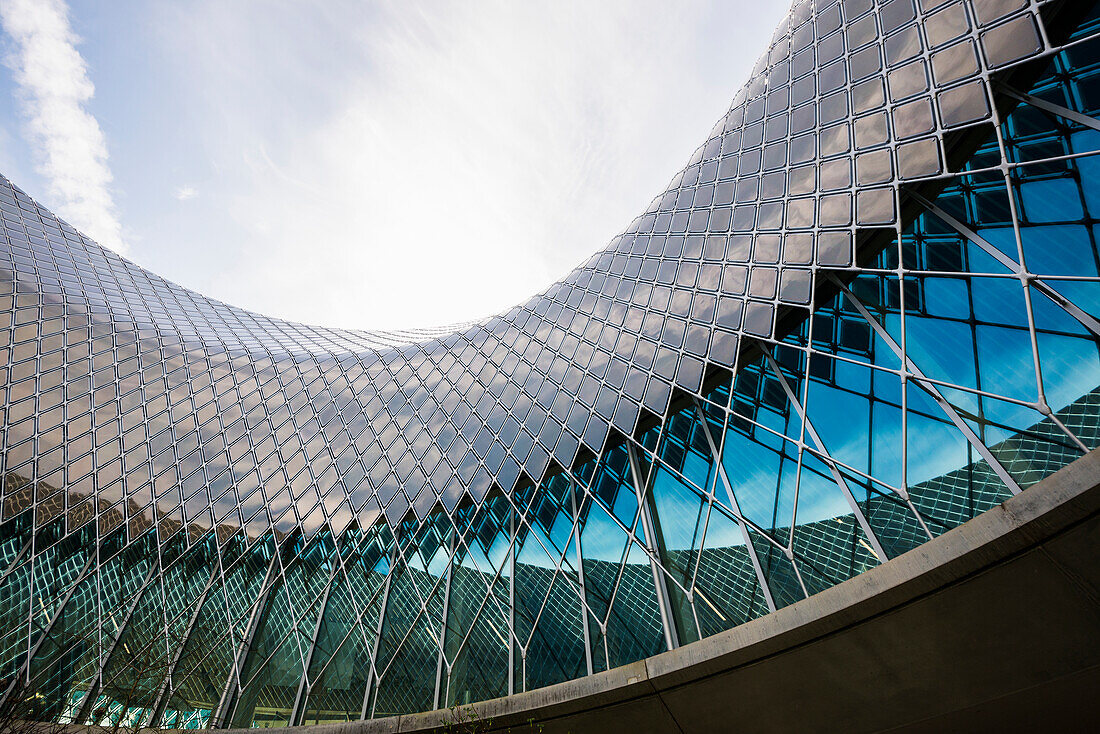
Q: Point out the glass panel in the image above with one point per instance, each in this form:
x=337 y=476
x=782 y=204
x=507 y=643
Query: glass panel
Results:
x=888 y=315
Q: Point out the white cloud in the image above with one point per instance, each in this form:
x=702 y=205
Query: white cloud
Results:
x=410 y=164
x=183 y=193
x=53 y=88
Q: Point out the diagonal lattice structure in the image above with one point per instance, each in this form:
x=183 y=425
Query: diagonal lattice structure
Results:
x=863 y=313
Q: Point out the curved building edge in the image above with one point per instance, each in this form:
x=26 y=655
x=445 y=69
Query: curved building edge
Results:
x=864 y=314
x=947 y=637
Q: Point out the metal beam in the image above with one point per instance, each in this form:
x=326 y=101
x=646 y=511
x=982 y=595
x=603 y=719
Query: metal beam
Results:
x=717 y=458
x=1010 y=263
x=857 y=511
x=227 y=700
x=580 y=576
x=298 y=710
x=25 y=668
x=161 y=701
x=1051 y=107
x=947 y=408
x=668 y=621
x=372 y=674
x=97 y=681
x=512 y=600
x=441 y=658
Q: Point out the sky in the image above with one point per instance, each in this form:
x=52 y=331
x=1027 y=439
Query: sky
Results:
x=363 y=164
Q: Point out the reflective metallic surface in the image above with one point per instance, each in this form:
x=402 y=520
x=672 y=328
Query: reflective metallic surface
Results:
x=865 y=312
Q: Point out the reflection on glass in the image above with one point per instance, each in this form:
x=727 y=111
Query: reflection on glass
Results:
x=789 y=370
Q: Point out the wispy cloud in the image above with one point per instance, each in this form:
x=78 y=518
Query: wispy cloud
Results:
x=416 y=163
x=183 y=193
x=53 y=89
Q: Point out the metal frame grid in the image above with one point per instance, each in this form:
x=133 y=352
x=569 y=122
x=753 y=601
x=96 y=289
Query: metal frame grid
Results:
x=865 y=312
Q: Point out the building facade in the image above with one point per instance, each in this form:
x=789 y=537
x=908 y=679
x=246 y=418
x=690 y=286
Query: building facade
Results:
x=866 y=311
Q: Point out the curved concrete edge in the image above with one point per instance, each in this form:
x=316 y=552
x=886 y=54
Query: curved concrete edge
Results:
x=827 y=654
x=1020 y=522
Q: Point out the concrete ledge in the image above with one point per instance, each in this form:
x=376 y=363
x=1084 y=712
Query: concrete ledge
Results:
x=993 y=626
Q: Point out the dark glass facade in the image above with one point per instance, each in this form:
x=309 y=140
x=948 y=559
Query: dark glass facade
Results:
x=866 y=311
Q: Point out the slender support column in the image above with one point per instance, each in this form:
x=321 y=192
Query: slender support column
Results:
x=373 y=673
x=716 y=457
x=443 y=625
x=857 y=511
x=512 y=601
x=1051 y=107
x=947 y=408
x=650 y=535
x=227 y=700
x=18 y=557
x=580 y=575
x=97 y=680
x=304 y=685
x=161 y=701
x=1010 y=263
x=25 y=668
x=1027 y=278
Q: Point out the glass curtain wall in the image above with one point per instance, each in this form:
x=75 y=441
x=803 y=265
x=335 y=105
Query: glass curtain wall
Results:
x=920 y=373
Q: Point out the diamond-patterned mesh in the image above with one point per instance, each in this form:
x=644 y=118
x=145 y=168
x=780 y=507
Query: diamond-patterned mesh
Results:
x=865 y=311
